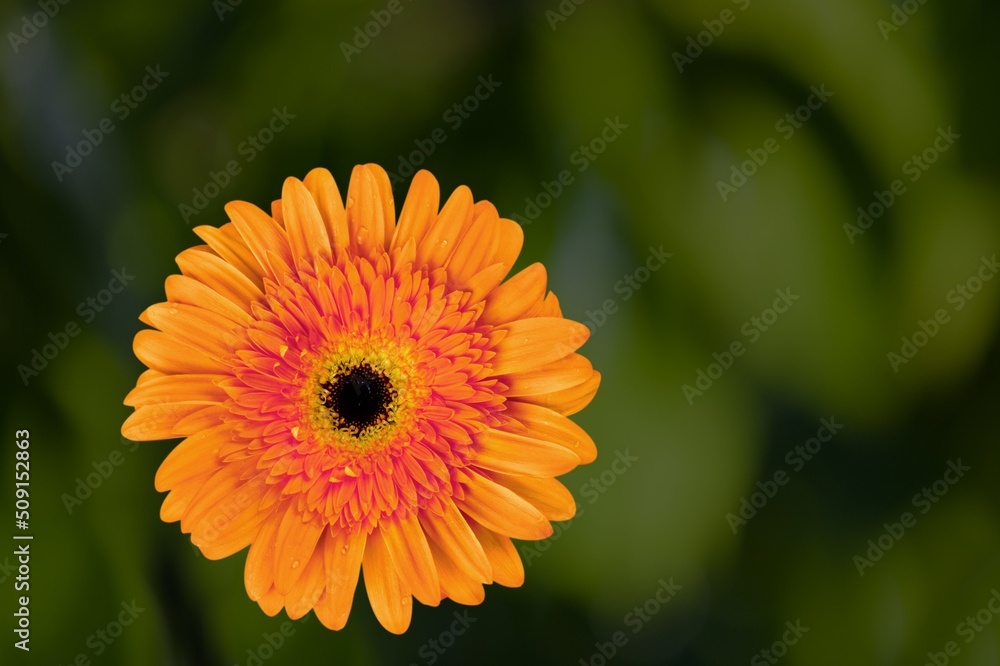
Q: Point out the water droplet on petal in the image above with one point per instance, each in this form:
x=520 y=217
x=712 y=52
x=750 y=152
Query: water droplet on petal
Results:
x=295 y=564
x=343 y=551
x=350 y=202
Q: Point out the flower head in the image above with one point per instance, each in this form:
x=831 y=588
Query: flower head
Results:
x=361 y=394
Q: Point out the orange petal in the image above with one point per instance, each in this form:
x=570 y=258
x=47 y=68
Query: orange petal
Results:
x=555 y=376
x=238 y=536
x=215 y=498
x=455 y=582
x=177 y=502
x=166 y=353
x=294 y=545
x=390 y=598
x=276 y=213
x=507 y=567
x=151 y=422
x=550 y=425
x=307 y=591
x=488 y=241
x=206 y=417
x=196 y=455
x=263 y=236
x=233 y=523
x=198 y=327
x=501 y=510
x=571 y=400
x=221 y=276
x=325 y=193
x=307 y=235
x=511 y=453
x=403 y=258
x=511 y=237
x=419 y=210
x=388 y=203
x=547 y=308
x=452 y=535
x=231 y=247
x=531 y=343
x=176 y=388
x=442 y=235
x=411 y=556
x=366 y=212
x=148 y=375
x=258 y=574
x=486 y=281
x=343 y=553
x=475 y=250
x=545 y=494
x=183 y=289
x=516 y=296
x=271 y=602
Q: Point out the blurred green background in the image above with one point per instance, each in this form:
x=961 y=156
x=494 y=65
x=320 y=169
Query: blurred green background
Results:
x=700 y=159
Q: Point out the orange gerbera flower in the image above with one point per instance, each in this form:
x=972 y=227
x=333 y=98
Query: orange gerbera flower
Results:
x=359 y=394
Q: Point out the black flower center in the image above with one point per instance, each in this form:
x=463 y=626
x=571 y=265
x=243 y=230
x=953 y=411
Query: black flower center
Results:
x=359 y=399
